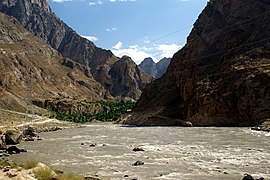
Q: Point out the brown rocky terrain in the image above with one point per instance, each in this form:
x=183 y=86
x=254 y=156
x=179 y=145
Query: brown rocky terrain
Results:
x=36 y=16
x=220 y=77
x=26 y=61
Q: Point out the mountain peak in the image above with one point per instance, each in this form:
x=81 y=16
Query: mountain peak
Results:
x=155 y=69
x=42 y=3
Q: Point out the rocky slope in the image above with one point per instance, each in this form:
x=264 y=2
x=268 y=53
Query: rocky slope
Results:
x=155 y=70
x=220 y=77
x=26 y=61
x=36 y=16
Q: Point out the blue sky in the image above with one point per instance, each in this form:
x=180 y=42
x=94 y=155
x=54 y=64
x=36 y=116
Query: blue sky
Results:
x=137 y=28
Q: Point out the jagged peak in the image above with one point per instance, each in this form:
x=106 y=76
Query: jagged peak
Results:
x=42 y=3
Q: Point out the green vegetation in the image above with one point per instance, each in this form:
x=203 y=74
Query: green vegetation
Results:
x=43 y=173
x=109 y=111
x=4 y=163
x=29 y=164
x=69 y=176
x=8 y=135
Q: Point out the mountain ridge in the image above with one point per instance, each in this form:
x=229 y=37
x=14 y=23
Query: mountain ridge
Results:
x=220 y=77
x=30 y=65
x=36 y=16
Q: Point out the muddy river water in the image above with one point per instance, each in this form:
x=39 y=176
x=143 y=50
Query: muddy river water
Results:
x=170 y=152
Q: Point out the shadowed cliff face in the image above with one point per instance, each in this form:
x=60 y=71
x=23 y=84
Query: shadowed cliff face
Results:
x=221 y=76
x=26 y=61
x=36 y=16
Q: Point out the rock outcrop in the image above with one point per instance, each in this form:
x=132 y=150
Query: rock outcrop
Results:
x=26 y=61
x=155 y=70
x=221 y=76
x=36 y=16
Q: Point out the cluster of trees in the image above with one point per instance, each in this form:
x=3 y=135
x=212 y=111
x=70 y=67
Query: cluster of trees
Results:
x=109 y=111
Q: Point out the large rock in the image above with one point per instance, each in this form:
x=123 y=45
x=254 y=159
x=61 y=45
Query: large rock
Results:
x=221 y=76
x=3 y=145
x=13 y=138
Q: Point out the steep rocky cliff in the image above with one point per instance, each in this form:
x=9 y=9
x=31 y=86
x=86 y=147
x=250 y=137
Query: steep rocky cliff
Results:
x=36 y=16
x=127 y=76
x=26 y=61
x=162 y=66
x=155 y=69
x=220 y=77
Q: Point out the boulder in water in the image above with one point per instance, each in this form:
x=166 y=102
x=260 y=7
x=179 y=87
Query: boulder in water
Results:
x=248 y=177
x=138 y=149
x=29 y=131
x=13 y=150
x=138 y=163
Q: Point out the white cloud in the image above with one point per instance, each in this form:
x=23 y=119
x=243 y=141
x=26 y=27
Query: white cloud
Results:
x=139 y=53
x=91 y=38
x=60 y=1
x=135 y=53
x=112 y=29
x=123 y=0
x=92 y=3
x=98 y=2
x=118 y=45
x=168 y=50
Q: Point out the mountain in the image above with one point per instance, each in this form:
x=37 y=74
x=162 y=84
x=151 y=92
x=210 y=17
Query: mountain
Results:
x=36 y=16
x=149 y=66
x=127 y=75
x=26 y=61
x=155 y=69
x=220 y=77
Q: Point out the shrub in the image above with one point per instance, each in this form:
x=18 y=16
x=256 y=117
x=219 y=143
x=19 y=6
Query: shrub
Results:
x=4 y=163
x=43 y=173
x=29 y=164
x=69 y=176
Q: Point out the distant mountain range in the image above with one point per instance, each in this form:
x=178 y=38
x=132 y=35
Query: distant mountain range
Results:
x=103 y=65
x=155 y=70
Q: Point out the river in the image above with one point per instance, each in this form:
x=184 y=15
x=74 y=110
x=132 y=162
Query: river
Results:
x=170 y=152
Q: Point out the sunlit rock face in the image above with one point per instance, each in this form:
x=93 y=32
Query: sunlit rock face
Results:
x=36 y=17
x=30 y=67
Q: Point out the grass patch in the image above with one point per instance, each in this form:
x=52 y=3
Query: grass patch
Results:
x=43 y=173
x=4 y=163
x=69 y=176
x=29 y=164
